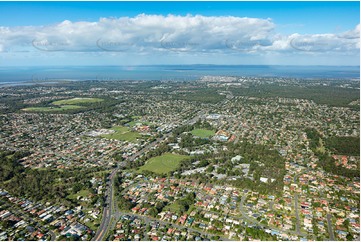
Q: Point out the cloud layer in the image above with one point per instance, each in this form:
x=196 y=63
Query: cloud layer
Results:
x=149 y=34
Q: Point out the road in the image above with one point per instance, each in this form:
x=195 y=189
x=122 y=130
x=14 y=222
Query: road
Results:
x=297 y=215
x=108 y=210
x=329 y=225
x=298 y=230
x=329 y=219
x=52 y=236
x=110 y=213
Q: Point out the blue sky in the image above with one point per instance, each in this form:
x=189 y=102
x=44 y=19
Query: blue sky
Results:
x=309 y=27
x=306 y=17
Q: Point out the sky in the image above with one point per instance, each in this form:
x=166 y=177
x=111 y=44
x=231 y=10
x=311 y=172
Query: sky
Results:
x=143 y=33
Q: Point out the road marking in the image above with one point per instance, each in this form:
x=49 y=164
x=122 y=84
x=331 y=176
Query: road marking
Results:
x=100 y=235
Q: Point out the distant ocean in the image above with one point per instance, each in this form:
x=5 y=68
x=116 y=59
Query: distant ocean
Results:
x=16 y=75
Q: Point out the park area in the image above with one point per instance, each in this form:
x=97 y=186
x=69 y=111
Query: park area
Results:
x=203 y=133
x=64 y=105
x=122 y=133
x=164 y=163
x=77 y=100
x=52 y=108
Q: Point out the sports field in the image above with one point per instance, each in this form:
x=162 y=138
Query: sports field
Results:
x=164 y=163
x=122 y=133
x=52 y=109
x=77 y=100
x=203 y=133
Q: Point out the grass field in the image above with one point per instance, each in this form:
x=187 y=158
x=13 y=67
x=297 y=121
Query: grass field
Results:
x=82 y=193
x=63 y=105
x=122 y=133
x=203 y=133
x=52 y=109
x=136 y=119
x=174 y=207
x=92 y=225
x=164 y=163
x=77 y=100
x=133 y=123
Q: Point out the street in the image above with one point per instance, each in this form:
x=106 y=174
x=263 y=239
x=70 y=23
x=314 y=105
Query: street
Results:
x=329 y=225
x=108 y=211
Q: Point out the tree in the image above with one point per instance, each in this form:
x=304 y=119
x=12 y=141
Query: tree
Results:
x=160 y=205
x=77 y=187
x=153 y=212
x=125 y=204
x=210 y=168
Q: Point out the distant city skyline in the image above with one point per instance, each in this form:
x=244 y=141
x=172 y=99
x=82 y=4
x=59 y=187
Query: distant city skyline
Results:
x=146 y=33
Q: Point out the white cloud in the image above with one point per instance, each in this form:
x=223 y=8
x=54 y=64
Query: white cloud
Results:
x=345 y=42
x=147 y=34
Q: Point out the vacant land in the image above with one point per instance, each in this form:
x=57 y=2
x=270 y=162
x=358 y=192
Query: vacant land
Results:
x=77 y=100
x=122 y=133
x=52 y=108
x=82 y=193
x=203 y=133
x=164 y=163
x=174 y=207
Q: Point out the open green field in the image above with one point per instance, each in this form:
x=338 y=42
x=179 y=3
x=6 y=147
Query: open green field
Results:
x=122 y=133
x=164 y=163
x=77 y=100
x=174 y=207
x=133 y=123
x=93 y=225
x=63 y=105
x=83 y=193
x=203 y=133
x=52 y=109
x=135 y=120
